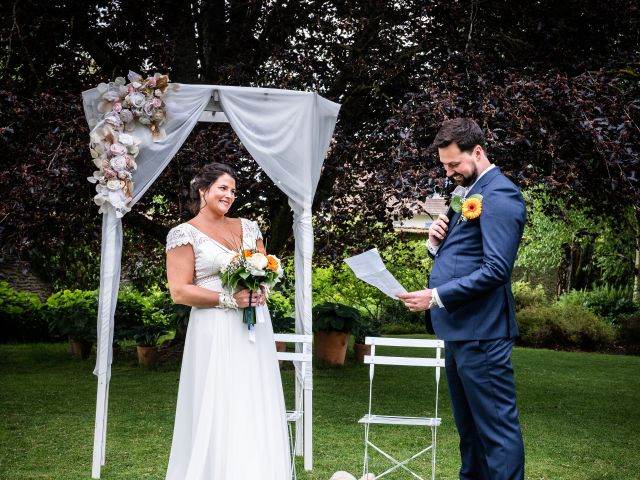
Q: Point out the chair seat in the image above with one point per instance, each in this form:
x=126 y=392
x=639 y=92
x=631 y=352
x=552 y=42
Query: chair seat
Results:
x=396 y=420
x=293 y=415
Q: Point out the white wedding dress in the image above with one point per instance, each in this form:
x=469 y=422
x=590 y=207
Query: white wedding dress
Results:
x=230 y=417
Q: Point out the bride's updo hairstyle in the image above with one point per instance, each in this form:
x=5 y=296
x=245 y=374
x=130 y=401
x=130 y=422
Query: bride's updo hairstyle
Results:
x=207 y=177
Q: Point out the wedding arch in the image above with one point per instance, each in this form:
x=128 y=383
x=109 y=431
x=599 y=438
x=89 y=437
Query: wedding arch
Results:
x=286 y=132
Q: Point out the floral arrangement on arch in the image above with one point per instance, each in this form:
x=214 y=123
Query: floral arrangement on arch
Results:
x=113 y=147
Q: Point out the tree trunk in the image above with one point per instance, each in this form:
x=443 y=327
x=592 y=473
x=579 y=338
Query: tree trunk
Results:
x=636 y=273
x=184 y=62
x=564 y=270
x=582 y=269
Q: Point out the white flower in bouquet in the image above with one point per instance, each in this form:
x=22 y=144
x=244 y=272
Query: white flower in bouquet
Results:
x=256 y=264
x=136 y=99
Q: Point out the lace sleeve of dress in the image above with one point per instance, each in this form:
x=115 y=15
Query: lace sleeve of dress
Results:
x=178 y=236
x=255 y=230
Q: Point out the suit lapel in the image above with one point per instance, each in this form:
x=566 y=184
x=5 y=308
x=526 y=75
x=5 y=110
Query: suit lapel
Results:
x=477 y=188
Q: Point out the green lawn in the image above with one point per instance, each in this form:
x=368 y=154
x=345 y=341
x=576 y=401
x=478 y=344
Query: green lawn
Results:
x=579 y=412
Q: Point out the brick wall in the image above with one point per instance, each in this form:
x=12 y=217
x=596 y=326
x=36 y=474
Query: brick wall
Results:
x=22 y=278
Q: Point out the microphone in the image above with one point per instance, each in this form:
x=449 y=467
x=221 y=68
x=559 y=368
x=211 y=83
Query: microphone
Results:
x=459 y=191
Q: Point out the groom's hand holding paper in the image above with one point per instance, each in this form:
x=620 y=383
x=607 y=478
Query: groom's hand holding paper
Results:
x=417 y=301
x=370 y=268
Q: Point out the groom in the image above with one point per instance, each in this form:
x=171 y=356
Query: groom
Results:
x=472 y=306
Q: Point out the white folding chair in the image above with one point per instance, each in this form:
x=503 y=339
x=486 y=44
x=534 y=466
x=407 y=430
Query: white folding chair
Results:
x=437 y=362
x=301 y=359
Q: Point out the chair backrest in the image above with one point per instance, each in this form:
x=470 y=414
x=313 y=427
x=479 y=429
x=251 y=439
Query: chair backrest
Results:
x=435 y=361
x=298 y=339
x=302 y=356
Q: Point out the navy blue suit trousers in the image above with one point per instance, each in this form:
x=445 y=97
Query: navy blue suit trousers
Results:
x=482 y=391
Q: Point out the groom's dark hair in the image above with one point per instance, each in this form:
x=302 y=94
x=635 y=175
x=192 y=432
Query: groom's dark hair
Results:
x=464 y=132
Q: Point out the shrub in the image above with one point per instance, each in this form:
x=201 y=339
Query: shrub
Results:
x=145 y=317
x=407 y=261
x=528 y=296
x=338 y=317
x=401 y=329
x=564 y=326
x=73 y=313
x=21 y=316
x=282 y=313
x=365 y=327
x=629 y=332
x=607 y=302
x=130 y=311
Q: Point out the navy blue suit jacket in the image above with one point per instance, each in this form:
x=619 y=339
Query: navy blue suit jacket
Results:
x=472 y=268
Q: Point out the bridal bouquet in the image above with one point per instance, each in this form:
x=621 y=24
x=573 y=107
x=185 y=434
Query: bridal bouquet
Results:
x=252 y=270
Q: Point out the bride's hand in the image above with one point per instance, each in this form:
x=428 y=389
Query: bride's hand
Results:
x=242 y=298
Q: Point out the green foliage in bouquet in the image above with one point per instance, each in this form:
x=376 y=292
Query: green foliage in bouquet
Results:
x=251 y=270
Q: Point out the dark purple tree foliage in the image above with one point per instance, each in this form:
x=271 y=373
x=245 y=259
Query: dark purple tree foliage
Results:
x=555 y=84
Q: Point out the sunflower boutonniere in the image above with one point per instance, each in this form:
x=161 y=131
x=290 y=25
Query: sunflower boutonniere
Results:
x=471 y=207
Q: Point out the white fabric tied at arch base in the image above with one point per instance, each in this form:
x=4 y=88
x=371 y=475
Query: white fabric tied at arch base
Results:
x=286 y=132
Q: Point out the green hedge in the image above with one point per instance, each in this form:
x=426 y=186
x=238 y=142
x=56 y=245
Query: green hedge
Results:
x=73 y=313
x=528 y=296
x=143 y=317
x=564 y=325
x=139 y=316
x=21 y=316
x=607 y=302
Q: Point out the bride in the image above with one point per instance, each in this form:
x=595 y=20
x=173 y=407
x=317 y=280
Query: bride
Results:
x=230 y=416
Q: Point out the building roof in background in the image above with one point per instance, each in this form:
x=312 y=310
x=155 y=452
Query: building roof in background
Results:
x=423 y=212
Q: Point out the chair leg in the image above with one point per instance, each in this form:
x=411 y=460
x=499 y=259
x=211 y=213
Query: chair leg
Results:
x=433 y=453
x=292 y=446
x=365 y=469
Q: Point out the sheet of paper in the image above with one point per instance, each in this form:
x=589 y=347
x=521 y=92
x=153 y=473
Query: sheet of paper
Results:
x=369 y=267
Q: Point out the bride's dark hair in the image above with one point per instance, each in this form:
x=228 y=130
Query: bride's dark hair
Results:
x=207 y=177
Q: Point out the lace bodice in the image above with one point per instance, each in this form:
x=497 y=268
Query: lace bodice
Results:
x=210 y=255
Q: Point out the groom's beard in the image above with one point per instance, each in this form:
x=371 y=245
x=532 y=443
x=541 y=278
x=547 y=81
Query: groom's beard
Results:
x=466 y=181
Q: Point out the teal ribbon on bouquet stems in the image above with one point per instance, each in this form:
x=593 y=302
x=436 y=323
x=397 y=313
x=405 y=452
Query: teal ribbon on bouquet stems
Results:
x=249 y=314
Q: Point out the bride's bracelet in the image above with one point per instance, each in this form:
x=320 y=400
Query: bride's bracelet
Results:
x=226 y=300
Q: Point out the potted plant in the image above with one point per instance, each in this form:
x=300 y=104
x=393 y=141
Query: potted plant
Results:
x=73 y=314
x=332 y=326
x=363 y=329
x=143 y=317
x=146 y=338
x=152 y=324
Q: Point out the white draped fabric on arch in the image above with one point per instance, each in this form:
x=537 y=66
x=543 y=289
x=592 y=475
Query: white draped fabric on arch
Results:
x=287 y=133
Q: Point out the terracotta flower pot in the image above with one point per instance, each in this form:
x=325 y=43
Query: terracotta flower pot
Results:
x=147 y=356
x=80 y=348
x=281 y=347
x=331 y=346
x=360 y=350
